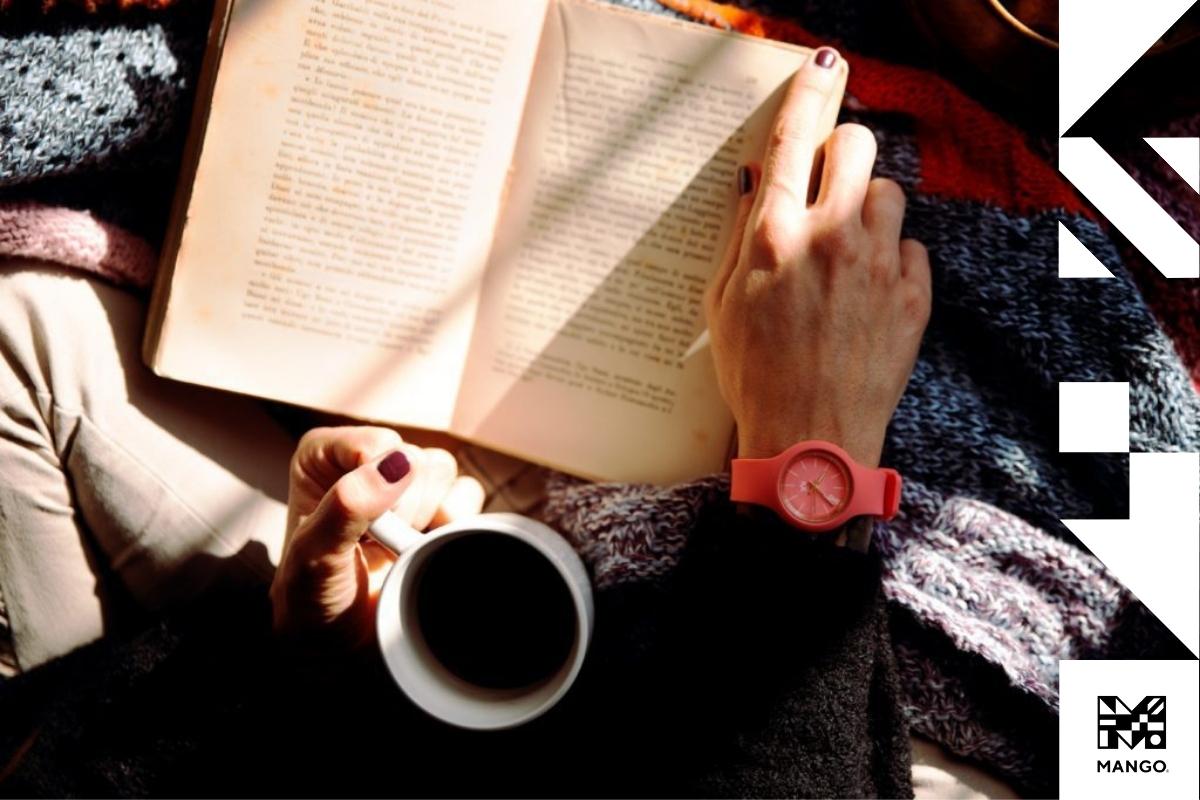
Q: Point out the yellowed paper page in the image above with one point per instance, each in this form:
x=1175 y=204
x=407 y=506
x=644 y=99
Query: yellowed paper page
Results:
x=345 y=201
x=623 y=197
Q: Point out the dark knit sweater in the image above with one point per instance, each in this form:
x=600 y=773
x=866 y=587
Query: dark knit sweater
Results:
x=760 y=666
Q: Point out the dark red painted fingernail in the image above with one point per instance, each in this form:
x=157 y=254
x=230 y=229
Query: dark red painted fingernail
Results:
x=825 y=57
x=745 y=180
x=394 y=467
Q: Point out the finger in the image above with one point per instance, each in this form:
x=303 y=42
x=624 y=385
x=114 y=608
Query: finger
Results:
x=916 y=280
x=464 y=499
x=438 y=471
x=914 y=264
x=747 y=182
x=846 y=175
x=803 y=123
x=409 y=504
x=883 y=212
x=353 y=503
x=325 y=454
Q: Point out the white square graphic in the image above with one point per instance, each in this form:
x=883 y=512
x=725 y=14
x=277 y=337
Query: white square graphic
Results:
x=1093 y=417
x=1087 y=769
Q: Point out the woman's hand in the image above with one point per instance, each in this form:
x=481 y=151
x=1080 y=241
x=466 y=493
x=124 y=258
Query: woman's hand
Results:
x=341 y=480
x=818 y=309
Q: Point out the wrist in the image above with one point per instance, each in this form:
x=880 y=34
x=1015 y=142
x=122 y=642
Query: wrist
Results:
x=768 y=442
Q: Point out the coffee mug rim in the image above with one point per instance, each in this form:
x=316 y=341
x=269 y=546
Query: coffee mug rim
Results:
x=390 y=632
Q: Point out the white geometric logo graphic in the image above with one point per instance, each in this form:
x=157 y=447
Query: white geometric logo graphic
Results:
x=1098 y=43
x=1156 y=552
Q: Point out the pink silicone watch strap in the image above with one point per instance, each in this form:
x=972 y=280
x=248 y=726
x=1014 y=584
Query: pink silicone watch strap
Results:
x=754 y=480
x=875 y=492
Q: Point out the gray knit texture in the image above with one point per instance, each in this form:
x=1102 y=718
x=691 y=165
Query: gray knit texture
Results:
x=94 y=109
x=54 y=121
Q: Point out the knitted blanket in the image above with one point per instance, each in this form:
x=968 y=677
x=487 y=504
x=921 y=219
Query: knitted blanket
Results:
x=988 y=590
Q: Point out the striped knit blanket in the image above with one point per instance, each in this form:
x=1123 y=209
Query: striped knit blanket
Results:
x=988 y=590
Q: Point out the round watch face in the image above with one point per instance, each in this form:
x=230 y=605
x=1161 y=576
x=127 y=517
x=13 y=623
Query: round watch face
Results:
x=815 y=486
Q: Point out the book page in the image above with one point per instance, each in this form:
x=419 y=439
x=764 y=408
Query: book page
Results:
x=345 y=201
x=622 y=202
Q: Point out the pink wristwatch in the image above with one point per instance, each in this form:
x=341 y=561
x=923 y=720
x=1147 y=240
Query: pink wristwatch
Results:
x=816 y=486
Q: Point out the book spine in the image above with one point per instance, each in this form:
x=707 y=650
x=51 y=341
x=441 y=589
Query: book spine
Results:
x=157 y=313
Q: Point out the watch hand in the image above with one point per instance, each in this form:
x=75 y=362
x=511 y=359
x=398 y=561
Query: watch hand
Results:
x=827 y=498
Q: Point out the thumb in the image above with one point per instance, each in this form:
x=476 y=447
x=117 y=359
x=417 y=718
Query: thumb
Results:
x=747 y=180
x=353 y=503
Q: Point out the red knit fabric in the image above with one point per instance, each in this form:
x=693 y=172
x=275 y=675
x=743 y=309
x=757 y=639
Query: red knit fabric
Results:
x=91 y=6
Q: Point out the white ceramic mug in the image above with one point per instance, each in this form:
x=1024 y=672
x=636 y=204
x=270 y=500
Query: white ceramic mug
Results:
x=417 y=671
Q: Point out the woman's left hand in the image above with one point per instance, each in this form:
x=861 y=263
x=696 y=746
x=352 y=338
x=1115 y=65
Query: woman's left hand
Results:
x=818 y=309
x=341 y=479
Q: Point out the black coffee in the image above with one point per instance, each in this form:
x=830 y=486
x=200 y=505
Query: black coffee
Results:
x=494 y=611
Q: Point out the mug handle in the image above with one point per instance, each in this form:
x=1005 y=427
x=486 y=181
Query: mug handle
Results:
x=393 y=533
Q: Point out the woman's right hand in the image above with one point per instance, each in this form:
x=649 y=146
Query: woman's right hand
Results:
x=328 y=580
x=818 y=309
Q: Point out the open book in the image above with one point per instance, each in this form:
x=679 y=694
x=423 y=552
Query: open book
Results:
x=491 y=219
